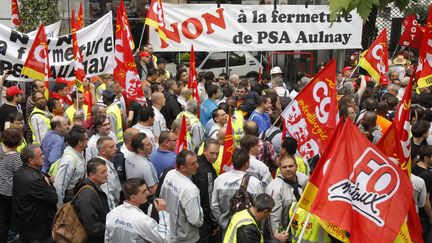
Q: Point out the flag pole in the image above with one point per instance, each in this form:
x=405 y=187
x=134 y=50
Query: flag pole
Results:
x=304 y=228
x=394 y=52
x=142 y=35
x=292 y=219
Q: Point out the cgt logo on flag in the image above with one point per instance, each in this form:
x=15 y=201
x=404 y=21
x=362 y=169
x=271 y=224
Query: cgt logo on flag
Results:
x=372 y=182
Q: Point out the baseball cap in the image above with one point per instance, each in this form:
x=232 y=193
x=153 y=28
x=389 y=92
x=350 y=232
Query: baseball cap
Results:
x=144 y=54
x=275 y=70
x=13 y=90
x=61 y=80
x=108 y=93
x=347 y=68
x=384 y=80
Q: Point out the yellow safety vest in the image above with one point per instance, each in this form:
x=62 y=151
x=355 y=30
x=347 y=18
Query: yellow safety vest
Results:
x=99 y=91
x=217 y=164
x=114 y=109
x=314 y=233
x=191 y=119
x=239 y=219
x=237 y=125
x=71 y=111
x=23 y=144
x=46 y=120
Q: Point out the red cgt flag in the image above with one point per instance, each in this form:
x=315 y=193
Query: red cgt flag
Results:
x=79 y=24
x=396 y=144
x=228 y=149
x=375 y=60
x=424 y=69
x=312 y=116
x=37 y=64
x=413 y=32
x=156 y=19
x=182 y=140
x=360 y=189
x=16 y=22
x=125 y=71
x=78 y=66
x=193 y=77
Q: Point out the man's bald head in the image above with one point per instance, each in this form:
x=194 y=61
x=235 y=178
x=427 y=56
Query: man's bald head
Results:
x=250 y=128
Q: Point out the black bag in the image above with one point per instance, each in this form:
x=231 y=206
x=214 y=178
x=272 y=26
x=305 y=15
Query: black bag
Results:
x=241 y=199
x=285 y=100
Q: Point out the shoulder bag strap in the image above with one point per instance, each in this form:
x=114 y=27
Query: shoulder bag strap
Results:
x=245 y=182
x=89 y=187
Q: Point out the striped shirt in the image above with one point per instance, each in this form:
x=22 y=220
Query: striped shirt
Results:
x=9 y=163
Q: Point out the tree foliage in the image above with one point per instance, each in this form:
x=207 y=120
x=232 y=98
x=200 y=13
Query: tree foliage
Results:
x=363 y=7
x=34 y=12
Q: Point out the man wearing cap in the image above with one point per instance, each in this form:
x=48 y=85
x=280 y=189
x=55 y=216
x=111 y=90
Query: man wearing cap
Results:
x=143 y=63
x=13 y=98
x=60 y=91
x=399 y=66
x=113 y=114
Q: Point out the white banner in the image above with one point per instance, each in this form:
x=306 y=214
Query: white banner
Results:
x=255 y=27
x=95 y=41
x=51 y=30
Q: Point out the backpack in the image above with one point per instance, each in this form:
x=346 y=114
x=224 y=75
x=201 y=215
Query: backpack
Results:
x=285 y=100
x=241 y=199
x=67 y=227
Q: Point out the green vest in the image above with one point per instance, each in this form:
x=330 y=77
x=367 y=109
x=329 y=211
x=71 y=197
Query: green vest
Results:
x=70 y=111
x=114 y=109
x=314 y=233
x=44 y=117
x=239 y=219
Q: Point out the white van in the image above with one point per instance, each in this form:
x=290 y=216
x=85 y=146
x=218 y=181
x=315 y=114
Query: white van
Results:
x=240 y=62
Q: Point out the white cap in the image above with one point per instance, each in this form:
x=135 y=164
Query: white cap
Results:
x=275 y=70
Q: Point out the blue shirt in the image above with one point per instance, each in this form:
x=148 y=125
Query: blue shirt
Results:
x=53 y=146
x=162 y=159
x=207 y=107
x=262 y=120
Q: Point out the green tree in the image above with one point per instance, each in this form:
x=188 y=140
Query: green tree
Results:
x=34 y=12
x=363 y=7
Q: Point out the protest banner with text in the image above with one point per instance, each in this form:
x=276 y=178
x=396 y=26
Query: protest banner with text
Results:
x=96 y=44
x=255 y=27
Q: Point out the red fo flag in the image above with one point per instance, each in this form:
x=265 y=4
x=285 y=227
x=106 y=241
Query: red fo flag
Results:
x=284 y=129
x=79 y=24
x=360 y=189
x=182 y=140
x=312 y=116
x=125 y=71
x=16 y=22
x=193 y=77
x=37 y=64
x=375 y=60
x=228 y=149
x=412 y=33
x=78 y=66
x=424 y=68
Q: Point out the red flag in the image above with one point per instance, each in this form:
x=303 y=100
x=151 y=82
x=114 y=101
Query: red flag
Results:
x=182 y=140
x=78 y=66
x=375 y=60
x=126 y=24
x=155 y=18
x=125 y=71
x=193 y=77
x=424 y=68
x=412 y=33
x=80 y=18
x=312 y=116
x=16 y=22
x=396 y=144
x=284 y=129
x=37 y=64
x=360 y=189
x=228 y=149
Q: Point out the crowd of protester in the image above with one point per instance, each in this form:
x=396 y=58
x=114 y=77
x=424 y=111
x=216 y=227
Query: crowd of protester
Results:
x=117 y=161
